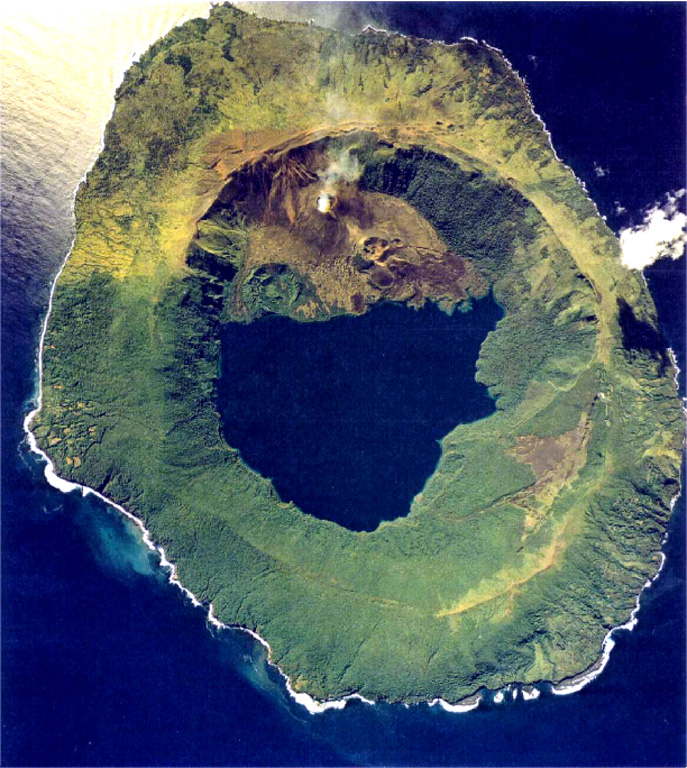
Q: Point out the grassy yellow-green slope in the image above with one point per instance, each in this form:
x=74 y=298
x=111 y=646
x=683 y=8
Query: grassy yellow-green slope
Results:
x=541 y=523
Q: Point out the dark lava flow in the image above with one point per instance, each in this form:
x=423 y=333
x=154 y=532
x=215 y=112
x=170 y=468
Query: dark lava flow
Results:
x=345 y=415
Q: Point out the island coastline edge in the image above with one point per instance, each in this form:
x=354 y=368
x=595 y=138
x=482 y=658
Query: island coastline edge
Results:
x=315 y=706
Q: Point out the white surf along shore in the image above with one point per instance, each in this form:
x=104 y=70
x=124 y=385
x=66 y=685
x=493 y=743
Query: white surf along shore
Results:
x=314 y=706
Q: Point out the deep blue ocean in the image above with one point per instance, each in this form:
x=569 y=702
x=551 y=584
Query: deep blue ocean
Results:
x=105 y=663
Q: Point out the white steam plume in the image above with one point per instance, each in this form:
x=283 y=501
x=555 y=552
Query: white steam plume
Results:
x=661 y=234
x=343 y=166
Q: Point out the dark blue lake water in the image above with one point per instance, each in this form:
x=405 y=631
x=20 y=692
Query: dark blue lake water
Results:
x=356 y=405
x=104 y=663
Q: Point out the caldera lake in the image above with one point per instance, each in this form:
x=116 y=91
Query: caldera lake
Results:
x=345 y=416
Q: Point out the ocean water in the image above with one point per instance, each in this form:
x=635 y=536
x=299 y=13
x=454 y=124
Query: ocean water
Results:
x=104 y=662
x=297 y=401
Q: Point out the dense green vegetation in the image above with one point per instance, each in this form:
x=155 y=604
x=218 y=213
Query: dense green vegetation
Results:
x=541 y=522
x=479 y=218
x=491 y=223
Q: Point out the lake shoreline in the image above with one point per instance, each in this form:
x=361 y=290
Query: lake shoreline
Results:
x=311 y=704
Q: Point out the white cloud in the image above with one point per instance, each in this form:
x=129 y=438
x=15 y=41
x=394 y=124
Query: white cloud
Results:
x=661 y=234
x=619 y=209
x=600 y=171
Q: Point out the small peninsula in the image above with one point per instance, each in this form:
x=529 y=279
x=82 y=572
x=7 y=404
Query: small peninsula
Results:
x=254 y=168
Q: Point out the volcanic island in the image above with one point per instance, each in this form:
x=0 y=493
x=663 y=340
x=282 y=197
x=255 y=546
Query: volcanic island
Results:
x=254 y=168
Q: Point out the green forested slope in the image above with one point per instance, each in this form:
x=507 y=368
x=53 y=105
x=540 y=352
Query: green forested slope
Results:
x=541 y=522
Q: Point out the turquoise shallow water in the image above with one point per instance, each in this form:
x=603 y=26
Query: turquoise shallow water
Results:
x=105 y=663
